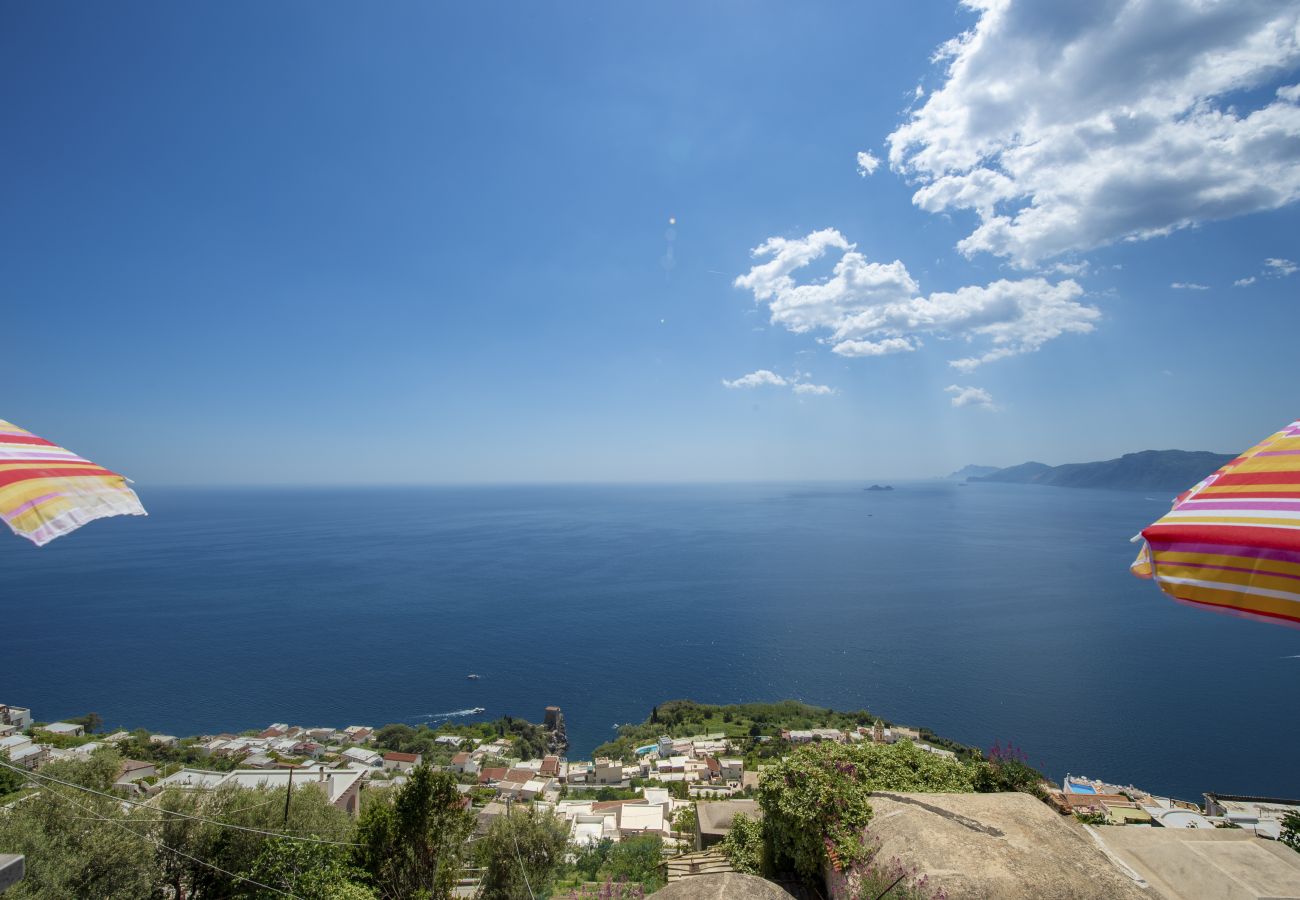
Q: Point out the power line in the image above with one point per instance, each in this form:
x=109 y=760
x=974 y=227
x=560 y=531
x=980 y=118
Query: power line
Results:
x=157 y=821
x=180 y=815
x=170 y=849
x=522 y=869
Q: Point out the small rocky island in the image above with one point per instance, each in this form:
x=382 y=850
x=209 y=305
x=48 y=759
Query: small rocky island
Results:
x=880 y=487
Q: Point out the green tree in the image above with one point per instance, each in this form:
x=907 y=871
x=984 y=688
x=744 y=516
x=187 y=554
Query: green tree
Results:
x=90 y=721
x=685 y=821
x=79 y=844
x=411 y=847
x=816 y=801
x=1291 y=831
x=520 y=854
x=201 y=834
x=743 y=845
x=591 y=858
x=10 y=781
x=638 y=859
x=309 y=871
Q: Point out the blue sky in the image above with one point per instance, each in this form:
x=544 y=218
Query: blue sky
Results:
x=307 y=243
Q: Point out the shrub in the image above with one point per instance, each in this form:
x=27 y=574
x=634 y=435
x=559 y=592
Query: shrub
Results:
x=743 y=845
x=1291 y=831
x=816 y=802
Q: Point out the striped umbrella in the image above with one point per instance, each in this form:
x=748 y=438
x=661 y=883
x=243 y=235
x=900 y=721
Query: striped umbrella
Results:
x=46 y=491
x=1232 y=543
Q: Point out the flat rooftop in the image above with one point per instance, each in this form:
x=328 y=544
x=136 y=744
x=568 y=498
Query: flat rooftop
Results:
x=1008 y=846
x=1200 y=864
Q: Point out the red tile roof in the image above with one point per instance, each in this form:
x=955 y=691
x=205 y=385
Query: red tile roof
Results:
x=402 y=757
x=491 y=774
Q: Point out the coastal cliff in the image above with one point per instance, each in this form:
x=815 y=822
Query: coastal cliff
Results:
x=1147 y=470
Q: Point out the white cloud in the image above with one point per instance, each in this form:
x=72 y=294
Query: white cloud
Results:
x=875 y=348
x=768 y=378
x=872 y=309
x=867 y=163
x=1070 y=126
x=1064 y=268
x=1189 y=286
x=756 y=379
x=970 y=396
x=1281 y=267
x=1244 y=282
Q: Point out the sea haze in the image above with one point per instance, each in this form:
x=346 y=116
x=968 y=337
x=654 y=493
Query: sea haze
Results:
x=986 y=612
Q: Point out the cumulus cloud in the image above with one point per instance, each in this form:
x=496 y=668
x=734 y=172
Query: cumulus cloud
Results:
x=867 y=308
x=1280 y=267
x=1065 y=127
x=1189 y=286
x=875 y=348
x=867 y=163
x=756 y=379
x=767 y=378
x=1244 y=282
x=970 y=396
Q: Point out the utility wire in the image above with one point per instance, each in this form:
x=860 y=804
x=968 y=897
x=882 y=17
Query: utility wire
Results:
x=179 y=815
x=170 y=849
x=522 y=870
x=156 y=821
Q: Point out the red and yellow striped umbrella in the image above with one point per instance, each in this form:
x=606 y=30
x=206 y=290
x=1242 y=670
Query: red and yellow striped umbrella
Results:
x=1232 y=543
x=47 y=491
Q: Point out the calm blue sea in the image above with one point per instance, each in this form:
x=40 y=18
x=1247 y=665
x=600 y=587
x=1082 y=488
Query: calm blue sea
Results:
x=986 y=612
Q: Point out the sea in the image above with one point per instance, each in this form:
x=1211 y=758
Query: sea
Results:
x=985 y=612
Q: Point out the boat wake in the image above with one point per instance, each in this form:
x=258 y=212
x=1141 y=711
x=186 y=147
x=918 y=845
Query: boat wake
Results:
x=454 y=714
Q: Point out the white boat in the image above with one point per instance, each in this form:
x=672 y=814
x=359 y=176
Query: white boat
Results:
x=472 y=677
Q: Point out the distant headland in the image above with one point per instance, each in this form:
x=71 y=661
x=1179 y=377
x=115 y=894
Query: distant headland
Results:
x=1147 y=470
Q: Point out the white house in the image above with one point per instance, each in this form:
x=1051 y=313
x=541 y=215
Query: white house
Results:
x=607 y=772
x=14 y=742
x=131 y=771
x=66 y=728
x=29 y=756
x=341 y=786
x=364 y=756
x=464 y=763
x=16 y=715
x=637 y=819
x=402 y=762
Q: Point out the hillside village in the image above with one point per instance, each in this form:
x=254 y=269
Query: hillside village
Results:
x=684 y=790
